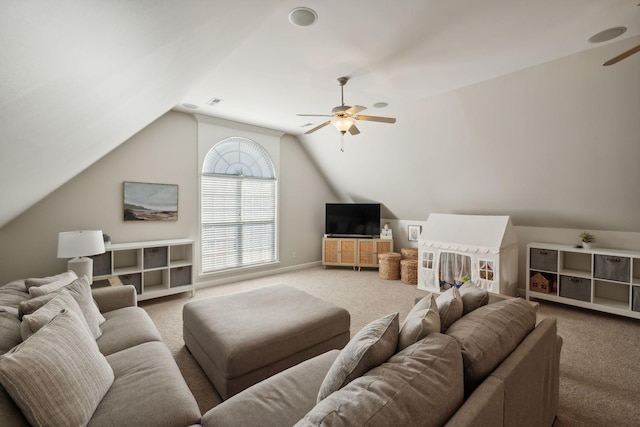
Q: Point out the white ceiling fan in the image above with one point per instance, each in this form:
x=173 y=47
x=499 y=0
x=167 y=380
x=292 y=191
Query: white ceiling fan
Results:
x=344 y=117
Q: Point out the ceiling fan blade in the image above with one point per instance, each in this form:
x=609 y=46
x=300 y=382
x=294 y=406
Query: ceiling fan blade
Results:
x=355 y=109
x=317 y=127
x=622 y=56
x=353 y=130
x=376 y=119
x=314 y=115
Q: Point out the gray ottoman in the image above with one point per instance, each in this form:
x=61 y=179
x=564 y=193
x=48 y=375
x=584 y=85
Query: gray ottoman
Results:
x=242 y=338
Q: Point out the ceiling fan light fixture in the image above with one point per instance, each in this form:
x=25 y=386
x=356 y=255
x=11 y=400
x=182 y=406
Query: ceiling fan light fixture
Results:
x=303 y=16
x=343 y=124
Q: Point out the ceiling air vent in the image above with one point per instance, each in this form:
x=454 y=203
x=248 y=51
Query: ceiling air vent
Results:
x=214 y=101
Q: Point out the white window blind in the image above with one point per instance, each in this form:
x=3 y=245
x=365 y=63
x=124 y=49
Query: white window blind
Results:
x=238 y=212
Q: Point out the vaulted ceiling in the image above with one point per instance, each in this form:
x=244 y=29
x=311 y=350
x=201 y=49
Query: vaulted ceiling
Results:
x=79 y=78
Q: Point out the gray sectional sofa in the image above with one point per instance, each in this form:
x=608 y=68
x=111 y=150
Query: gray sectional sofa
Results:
x=141 y=385
x=455 y=361
x=494 y=366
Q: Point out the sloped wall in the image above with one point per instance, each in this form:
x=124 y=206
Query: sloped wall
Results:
x=556 y=145
x=163 y=152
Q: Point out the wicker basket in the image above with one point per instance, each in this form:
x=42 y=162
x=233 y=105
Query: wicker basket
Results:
x=389 y=265
x=409 y=271
x=409 y=253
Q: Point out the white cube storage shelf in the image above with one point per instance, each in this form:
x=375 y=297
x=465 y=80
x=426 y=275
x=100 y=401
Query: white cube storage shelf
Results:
x=606 y=280
x=155 y=268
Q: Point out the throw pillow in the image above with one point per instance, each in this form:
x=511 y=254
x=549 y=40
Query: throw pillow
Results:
x=66 y=277
x=31 y=323
x=472 y=297
x=29 y=306
x=80 y=290
x=450 y=307
x=37 y=291
x=57 y=376
x=420 y=386
x=371 y=346
x=422 y=320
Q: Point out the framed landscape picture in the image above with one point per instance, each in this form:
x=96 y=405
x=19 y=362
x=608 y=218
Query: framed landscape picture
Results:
x=150 y=202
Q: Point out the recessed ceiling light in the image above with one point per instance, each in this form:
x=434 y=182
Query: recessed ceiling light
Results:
x=606 y=35
x=303 y=16
x=380 y=104
x=191 y=106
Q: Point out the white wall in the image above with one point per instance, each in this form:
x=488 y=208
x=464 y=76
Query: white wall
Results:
x=163 y=152
x=556 y=145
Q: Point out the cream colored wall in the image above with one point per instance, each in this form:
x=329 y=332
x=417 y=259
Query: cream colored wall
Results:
x=163 y=152
x=555 y=145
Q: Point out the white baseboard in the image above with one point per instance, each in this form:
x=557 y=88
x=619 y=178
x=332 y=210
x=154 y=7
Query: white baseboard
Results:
x=254 y=275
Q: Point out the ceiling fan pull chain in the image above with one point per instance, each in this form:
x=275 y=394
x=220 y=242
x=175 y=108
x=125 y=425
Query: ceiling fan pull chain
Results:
x=342 y=142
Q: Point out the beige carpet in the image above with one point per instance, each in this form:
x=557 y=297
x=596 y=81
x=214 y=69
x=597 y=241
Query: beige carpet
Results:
x=600 y=362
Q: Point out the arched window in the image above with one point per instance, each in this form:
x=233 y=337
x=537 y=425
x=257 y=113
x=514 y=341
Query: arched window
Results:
x=238 y=206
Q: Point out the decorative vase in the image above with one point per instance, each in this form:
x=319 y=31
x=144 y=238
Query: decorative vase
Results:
x=587 y=245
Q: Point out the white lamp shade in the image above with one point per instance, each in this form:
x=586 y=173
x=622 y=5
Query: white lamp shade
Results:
x=80 y=243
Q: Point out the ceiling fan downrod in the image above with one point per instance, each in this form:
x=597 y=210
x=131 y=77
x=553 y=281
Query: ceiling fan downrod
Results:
x=342 y=81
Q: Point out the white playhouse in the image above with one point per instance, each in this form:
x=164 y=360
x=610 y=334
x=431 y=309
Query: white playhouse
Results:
x=453 y=249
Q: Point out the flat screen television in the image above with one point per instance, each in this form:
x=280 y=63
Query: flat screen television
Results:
x=352 y=219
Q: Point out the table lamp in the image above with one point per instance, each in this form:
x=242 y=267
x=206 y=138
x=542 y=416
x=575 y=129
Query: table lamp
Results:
x=79 y=245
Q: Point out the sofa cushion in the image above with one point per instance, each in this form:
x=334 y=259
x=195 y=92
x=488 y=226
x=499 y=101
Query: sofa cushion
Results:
x=280 y=400
x=371 y=346
x=450 y=307
x=148 y=390
x=11 y=295
x=472 y=297
x=422 y=320
x=489 y=334
x=9 y=331
x=31 y=323
x=118 y=333
x=420 y=386
x=57 y=376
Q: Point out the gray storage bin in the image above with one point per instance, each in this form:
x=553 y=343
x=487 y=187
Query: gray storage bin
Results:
x=102 y=264
x=610 y=267
x=155 y=257
x=134 y=279
x=575 y=288
x=636 y=299
x=544 y=259
x=180 y=276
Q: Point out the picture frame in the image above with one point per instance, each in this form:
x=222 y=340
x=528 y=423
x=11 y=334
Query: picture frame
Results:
x=143 y=201
x=414 y=232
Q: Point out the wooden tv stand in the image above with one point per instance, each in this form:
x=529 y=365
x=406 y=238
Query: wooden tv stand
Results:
x=353 y=252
